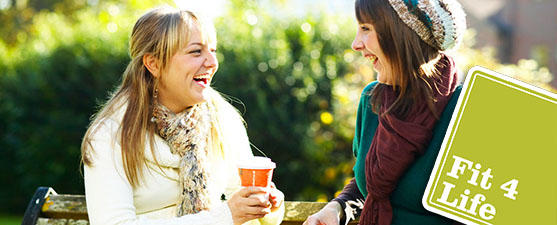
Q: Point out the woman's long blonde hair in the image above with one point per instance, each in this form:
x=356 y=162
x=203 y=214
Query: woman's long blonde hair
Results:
x=160 y=32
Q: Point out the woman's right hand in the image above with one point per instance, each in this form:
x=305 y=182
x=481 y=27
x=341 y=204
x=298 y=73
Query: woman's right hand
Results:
x=248 y=203
x=328 y=215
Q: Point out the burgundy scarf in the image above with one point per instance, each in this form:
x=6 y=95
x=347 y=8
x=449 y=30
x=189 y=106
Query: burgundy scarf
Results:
x=397 y=143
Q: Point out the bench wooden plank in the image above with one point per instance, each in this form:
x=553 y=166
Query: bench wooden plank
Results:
x=60 y=209
x=51 y=221
x=299 y=211
x=74 y=207
x=65 y=206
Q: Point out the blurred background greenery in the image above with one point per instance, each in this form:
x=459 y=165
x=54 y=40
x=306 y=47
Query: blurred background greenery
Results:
x=296 y=79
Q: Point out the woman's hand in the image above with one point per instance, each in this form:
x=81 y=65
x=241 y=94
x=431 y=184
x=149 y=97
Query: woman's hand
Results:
x=248 y=203
x=276 y=197
x=328 y=215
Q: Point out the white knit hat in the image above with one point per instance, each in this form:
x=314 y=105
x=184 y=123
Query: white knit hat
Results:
x=440 y=23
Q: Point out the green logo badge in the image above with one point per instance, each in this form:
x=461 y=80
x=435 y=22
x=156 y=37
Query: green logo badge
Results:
x=498 y=161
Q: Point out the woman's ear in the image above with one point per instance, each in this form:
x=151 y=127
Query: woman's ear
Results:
x=152 y=64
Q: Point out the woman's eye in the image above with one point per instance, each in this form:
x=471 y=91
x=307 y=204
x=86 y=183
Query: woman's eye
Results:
x=364 y=28
x=196 y=51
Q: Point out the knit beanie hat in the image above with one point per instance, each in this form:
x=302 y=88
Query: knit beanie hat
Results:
x=440 y=23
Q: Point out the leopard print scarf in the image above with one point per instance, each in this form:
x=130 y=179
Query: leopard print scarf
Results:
x=187 y=135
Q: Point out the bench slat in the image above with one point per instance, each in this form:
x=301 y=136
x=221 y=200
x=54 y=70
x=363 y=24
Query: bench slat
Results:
x=60 y=209
x=65 y=206
x=298 y=211
x=51 y=221
x=74 y=207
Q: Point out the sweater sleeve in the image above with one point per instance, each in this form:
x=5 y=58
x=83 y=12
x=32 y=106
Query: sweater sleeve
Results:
x=351 y=200
x=109 y=195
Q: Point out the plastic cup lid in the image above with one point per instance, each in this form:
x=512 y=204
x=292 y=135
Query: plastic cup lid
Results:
x=257 y=162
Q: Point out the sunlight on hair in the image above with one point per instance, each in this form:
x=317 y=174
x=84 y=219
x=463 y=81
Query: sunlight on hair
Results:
x=208 y=8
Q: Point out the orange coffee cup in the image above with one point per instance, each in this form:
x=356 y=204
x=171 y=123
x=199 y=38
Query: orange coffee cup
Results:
x=256 y=171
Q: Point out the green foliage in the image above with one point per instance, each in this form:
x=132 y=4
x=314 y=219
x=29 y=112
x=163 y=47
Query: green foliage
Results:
x=49 y=87
x=298 y=79
x=526 y=70
x=17 y=19
x=10 y=220
x=283 y=72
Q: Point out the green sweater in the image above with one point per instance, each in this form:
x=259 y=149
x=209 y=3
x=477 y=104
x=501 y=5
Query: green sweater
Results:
x=406 y=199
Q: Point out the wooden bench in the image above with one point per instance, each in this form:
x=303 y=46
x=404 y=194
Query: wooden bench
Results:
x=48 y=207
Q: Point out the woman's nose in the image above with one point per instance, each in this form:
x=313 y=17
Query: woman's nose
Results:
x=211 y=61
x=357 y=44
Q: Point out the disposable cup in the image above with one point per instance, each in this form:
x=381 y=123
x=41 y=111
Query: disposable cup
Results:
x=256 y=171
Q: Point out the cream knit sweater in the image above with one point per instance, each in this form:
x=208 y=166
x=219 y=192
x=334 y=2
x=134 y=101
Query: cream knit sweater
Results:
x=111 y=200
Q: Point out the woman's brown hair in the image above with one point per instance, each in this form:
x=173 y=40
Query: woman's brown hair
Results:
x=411 y=59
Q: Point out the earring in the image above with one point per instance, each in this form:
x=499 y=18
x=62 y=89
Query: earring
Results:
x=155 y=99
x=156 y=89
x=156 y=93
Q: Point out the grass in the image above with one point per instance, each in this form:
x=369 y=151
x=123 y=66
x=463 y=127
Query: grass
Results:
x=10 y=219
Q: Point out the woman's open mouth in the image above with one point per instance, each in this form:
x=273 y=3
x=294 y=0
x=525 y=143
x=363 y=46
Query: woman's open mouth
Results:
x=372 y=58
x=202 y=80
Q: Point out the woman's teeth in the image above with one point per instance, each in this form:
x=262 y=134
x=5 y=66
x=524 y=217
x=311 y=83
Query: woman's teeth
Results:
x=372 y=59
x=203 y=79
x=205 y=76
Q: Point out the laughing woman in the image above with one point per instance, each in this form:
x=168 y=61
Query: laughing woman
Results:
x=403 y=116
x=164 y=148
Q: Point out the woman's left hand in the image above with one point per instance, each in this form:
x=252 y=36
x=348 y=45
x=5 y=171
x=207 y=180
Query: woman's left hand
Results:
x=276 y=197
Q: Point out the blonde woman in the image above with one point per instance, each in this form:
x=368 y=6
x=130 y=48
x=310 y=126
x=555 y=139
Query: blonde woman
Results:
x=164 y=148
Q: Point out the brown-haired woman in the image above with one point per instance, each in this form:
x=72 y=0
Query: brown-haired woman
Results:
x=403 y=116
x=164 y=148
